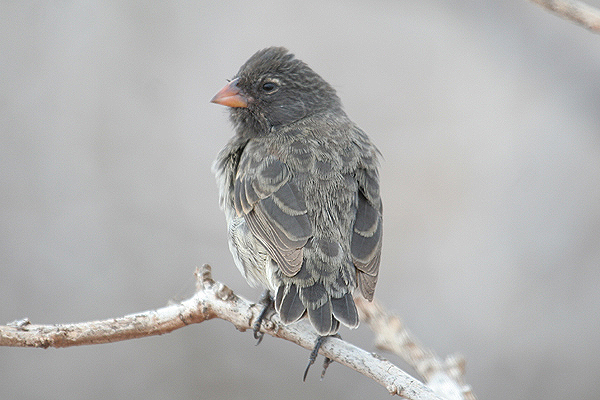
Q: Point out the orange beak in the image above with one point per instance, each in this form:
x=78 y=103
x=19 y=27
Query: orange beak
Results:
x=230 y=96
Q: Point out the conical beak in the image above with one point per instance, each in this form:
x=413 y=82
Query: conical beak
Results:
x=231 y=96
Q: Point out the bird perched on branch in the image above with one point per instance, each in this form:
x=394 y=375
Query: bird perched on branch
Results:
x=300 y=189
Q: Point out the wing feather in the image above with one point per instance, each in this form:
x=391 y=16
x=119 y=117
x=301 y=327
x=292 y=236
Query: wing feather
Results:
x=275 y=211
x=367 y=232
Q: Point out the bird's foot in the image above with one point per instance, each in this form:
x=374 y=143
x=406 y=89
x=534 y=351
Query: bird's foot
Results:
x=315 y=352
x=267 y=302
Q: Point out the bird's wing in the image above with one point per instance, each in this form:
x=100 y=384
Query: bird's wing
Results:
x=367 y=232
x=275 y=211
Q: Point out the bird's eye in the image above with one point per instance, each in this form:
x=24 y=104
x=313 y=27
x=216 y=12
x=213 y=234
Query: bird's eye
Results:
x=269 y=87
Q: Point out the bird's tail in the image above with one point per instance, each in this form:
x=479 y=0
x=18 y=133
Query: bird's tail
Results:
x=325 y=311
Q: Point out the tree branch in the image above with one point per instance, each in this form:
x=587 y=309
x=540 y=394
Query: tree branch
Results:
x=446 y=378
x=575 y=11
x=214 y=300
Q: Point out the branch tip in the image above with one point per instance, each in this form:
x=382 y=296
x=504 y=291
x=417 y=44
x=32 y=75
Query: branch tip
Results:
x=204 y=277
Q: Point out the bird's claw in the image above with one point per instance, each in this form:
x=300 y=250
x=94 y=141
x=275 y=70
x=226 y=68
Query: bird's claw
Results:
x=313 y=356
x=326 y=363
x=267 y=301
x=258 y=335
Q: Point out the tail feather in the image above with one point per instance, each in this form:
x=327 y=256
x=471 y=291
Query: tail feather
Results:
x=344 y=310
x=291 y=308
x=324 y=311
x=314 y=296
x=321 y=319
x=335 y=326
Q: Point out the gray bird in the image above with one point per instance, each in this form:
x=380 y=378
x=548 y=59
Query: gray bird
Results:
x=300 y=189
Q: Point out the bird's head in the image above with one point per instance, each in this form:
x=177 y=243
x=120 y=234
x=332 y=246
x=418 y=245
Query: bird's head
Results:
x=272 y=89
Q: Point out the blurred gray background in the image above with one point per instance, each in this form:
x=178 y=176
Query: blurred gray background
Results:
x=487 y=115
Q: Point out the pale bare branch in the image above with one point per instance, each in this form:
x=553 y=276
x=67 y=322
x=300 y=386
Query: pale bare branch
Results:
x=213 y=300
x=446 y=378
x=575 y=11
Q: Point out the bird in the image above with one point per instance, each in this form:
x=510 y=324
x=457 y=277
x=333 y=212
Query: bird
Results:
x=299 y=186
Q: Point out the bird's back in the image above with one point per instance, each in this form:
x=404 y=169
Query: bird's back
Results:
x=331 y=167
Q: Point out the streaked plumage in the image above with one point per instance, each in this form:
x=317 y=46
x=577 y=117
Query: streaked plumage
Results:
x=300 y=190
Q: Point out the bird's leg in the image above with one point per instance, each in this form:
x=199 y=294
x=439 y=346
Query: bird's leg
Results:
x=315 y=352
x=267 y=302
